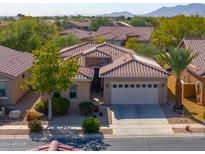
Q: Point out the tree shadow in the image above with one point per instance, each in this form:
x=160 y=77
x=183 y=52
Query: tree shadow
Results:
x=170 y=95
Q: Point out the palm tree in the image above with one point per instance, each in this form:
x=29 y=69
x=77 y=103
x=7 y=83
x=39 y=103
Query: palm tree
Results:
x=178 y=59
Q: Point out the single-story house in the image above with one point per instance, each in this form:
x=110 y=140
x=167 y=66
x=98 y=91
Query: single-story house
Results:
x=118 y=35
x=82 y=35
x=120 y=75
x=83 y=25
x=195 y=72
x=13 y=68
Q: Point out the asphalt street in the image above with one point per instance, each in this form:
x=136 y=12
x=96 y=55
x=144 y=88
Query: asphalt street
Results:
x=113 y=144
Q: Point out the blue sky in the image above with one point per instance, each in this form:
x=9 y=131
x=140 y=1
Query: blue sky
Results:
x=76 y=8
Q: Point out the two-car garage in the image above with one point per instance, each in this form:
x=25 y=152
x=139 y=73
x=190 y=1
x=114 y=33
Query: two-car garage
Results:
x=133 y=79
x=135 y=93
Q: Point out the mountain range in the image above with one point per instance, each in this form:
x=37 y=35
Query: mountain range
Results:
x=191 y=9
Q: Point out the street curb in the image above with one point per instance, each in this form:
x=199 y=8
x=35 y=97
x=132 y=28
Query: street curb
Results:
x=98 y=136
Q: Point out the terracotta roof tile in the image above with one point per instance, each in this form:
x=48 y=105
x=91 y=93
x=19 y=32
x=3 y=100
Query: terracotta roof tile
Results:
x=13 y=63
x=85 y=73
x=95 y=53
x=132 y=66
x=121 y=33
x=81 y=34
x=110 y=49
x=197 y=46
x=80 y=23
x=55 y=146
x=76 y=49
x=125 y=63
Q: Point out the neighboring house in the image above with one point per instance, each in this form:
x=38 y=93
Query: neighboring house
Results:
x=121 y=24
x=13 y=68
x=195 y=72
x=83 y=25
x=83 y=35
x=121 y=76
x=119 y=35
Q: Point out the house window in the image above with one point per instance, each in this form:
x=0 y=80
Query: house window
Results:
x=132 y=86
x=126 y=86
x=138 y=86
x=149 y=86
x=73 y=91
x=114 y=86
x=155 y=85
x=144 y=86
x=120 y=85
x=2 y=89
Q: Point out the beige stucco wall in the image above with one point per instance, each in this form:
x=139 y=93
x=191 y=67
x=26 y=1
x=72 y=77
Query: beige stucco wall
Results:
x=199 y=82
x=83 y=89
x=13 y=89
x=162 y=90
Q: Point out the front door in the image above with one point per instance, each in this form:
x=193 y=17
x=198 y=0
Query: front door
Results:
x=96 y=83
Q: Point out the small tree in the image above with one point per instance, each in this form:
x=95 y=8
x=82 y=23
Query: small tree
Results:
x=96 y=22
x=131 y=43
x=100 y=40
x=178 y=59
x=66 y=41
x=50 y=73
x=27 y=34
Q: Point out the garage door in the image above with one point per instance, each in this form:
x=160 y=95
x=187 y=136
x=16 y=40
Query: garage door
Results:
x=135 y=93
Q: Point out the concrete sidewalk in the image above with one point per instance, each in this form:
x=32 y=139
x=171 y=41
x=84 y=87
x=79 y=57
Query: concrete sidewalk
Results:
x=160 y=131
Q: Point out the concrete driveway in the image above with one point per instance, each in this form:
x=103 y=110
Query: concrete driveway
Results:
x=139 y=120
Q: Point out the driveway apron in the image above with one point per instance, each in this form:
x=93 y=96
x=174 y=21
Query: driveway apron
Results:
x=139 y=120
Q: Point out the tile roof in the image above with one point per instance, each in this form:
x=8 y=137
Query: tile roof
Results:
x=121 y=33
x=197 y=46
x=76 y=49
x=106 y=48
x=93 y=52
x=81 y=34
x=85 y=73
x=14 y=63
x=80 y=23
x=125 y=63
x=55 y=146
x=132 y=66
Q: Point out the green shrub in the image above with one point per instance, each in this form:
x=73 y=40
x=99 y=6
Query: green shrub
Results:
x=35 y=125
x=41 y=107
x=204 y=115
x=87 y=107
x=91 y=125
x=60 y=105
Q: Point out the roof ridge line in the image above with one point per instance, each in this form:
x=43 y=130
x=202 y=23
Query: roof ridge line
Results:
x=150 y=65
x=118 y=64
x=73 y=47
x=120 y=48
